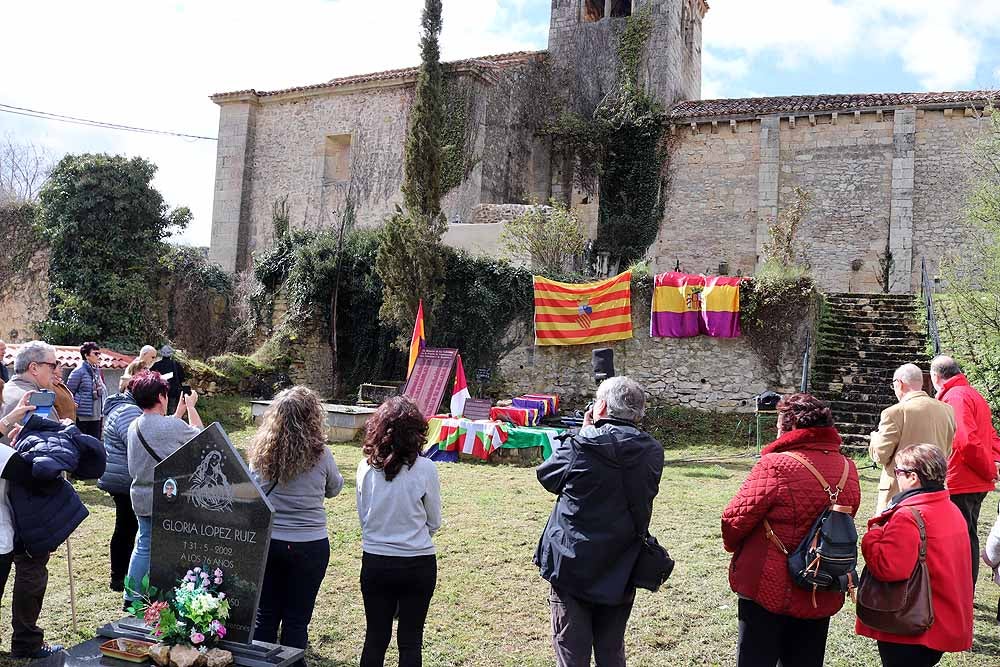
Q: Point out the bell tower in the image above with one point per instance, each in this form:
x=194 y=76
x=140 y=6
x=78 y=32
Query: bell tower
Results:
x=583 y=40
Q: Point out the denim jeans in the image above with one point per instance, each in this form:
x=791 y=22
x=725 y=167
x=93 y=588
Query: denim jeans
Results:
x=138 y=566
x=292 y=578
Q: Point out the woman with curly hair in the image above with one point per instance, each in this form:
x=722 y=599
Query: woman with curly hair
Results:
x=399 y=505
x=779 y=622
x=291 y=463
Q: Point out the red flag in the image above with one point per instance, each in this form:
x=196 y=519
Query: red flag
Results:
x=460 y=392
x=417 y=341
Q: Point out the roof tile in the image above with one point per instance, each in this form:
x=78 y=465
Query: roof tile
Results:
x=68 y=356
x=758 y=106
x=485 y=63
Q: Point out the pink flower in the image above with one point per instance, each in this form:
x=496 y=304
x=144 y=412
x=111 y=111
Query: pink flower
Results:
x=218 y=580
x=196 y=570
x=219 y=629
x=152 y=615
x=197 y=637
x=217 y=572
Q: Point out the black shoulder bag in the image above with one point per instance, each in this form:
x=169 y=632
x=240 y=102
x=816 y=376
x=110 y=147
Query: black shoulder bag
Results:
x=654 y=564
x=149 y=450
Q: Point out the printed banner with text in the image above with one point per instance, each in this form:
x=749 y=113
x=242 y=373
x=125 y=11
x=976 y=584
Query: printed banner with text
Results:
x=686 y=305
x=573 y=314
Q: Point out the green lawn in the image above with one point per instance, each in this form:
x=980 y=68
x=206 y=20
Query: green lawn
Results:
x=490 y=606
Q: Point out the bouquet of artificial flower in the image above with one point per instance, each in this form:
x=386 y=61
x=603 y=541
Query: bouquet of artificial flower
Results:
x=193 y=613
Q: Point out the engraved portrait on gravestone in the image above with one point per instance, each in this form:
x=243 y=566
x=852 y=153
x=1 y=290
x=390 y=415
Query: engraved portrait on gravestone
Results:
x=210 y=489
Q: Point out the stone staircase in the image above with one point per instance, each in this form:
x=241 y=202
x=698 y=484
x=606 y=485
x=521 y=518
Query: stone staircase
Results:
x=864 y=338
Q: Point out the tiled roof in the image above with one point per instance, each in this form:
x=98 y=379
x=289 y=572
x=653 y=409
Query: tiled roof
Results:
x=484 y=63
x=69 y=357
x=759 y=106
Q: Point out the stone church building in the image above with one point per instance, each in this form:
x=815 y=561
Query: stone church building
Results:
x=885 y=171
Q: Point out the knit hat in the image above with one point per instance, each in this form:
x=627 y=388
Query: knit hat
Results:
x=166 y=351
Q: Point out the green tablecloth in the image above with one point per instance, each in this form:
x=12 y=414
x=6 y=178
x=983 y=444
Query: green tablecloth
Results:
x=520 y=437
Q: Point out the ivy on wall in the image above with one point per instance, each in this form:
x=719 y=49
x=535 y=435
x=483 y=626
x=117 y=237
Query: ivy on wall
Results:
x=620 y=152
x=18 y=229
x=457 y=160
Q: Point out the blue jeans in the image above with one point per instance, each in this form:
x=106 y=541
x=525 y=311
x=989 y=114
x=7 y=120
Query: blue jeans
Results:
x=138 y=565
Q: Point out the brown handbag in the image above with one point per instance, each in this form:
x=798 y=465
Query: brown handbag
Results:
x=899 y=607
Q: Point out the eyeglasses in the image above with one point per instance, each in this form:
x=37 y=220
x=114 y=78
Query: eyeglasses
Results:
x=50 y=364
x=904 y=471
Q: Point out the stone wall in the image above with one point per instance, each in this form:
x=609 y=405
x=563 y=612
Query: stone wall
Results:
x=907 y=169
x=720 y=374
x=941 y=183
x=24 y=304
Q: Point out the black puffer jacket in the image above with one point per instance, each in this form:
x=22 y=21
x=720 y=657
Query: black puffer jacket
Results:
x=590 y=544
x=46 y=514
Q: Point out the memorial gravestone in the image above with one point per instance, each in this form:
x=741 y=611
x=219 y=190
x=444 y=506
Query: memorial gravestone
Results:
x=208 y=512
x=430 y=377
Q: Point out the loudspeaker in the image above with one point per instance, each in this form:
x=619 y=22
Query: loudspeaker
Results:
x=603 y=361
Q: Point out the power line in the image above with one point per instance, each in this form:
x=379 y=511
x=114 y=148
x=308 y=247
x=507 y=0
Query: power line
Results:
x=46 y=115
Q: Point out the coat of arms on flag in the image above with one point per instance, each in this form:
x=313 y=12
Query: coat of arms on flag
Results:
x=689 y=305
x=572 y=314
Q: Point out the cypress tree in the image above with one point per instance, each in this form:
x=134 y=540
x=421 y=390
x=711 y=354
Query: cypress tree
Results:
x=422 y=167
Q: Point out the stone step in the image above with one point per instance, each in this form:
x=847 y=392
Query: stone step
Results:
x=850 y=318
x=871 y=343
x=880 y=358
x=874 y=296
x=874 y=327
x=859 y=407
x=853 y=389
x=856 y=394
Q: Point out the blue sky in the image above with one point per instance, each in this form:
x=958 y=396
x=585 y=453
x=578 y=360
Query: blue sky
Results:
x=153 y=64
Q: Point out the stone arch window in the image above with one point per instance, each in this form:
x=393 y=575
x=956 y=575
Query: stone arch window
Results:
x=593 y=10
x=621 y=8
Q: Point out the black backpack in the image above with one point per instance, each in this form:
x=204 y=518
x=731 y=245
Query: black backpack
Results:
x=827 y=558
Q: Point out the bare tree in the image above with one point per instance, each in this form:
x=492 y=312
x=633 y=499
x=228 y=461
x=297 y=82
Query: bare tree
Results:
x=24 y=166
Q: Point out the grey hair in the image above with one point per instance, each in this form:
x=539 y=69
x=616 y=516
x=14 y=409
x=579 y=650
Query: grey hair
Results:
x=945 y=367
x=926 y=460
x=31 y=352
x=910 y=375
x=147 y=348
x=625 y=398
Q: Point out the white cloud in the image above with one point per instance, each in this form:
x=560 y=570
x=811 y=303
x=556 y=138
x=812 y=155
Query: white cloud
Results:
x=155 y=64
x=940 y=42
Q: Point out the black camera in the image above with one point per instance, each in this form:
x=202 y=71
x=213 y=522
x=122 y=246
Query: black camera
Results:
x=186 y=389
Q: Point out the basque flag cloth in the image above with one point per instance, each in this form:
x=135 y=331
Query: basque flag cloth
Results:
x=686 y=305
x=568 y=314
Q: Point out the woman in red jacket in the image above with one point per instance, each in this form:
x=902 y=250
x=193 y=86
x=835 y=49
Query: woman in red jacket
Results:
x=891 y=547
x=778 y=621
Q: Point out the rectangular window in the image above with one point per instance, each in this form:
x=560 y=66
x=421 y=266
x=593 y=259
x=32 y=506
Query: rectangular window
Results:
x=621 y=8
x=337 y=158
x=593 y=10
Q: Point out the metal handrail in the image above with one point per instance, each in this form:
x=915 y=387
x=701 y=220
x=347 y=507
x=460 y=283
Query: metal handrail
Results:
x=804 y=385
x=927 y=292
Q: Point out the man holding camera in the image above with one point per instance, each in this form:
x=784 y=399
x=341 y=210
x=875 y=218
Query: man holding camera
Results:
x=606 y=477
x=171 y=370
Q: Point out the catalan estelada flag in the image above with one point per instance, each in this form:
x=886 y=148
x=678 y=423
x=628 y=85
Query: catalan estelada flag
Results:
x=567 y=314
x=417 y=340
x=687 y=305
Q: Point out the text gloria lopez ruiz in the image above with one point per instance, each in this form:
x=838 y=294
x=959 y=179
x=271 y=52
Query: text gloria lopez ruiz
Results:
x=208 y=530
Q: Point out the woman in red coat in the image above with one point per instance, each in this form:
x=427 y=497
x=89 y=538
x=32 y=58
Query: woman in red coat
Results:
x=891 y=547
x=780 y=623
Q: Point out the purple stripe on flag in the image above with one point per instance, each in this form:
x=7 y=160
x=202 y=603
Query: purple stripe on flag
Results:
x=721 y=324
x=674 y=325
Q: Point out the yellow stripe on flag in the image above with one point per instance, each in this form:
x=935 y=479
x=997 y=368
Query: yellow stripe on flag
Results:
x=718 y=298
x=583 y=313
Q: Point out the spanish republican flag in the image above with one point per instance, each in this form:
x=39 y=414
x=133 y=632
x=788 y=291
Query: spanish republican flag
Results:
x=687 y=305
x=417 y=340
x=567 y=314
